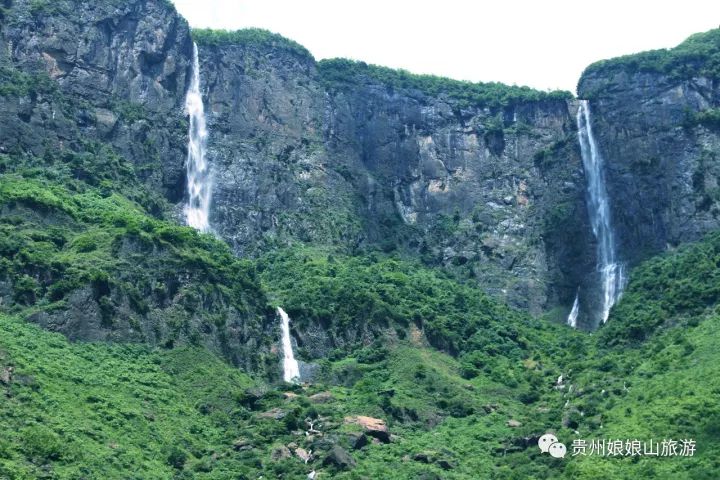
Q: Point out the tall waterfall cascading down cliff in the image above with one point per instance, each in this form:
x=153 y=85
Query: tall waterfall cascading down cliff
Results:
x=291 y=368
x=612 y=274
x=199 y=182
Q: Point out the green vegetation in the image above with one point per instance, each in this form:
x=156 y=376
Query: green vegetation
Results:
x=671 y=289
x=248 y=36
x=709 y=118
x=41 y=9
x=189 y=389
x=340 y=73
x=75 y=227
x=378 y=294
x=89 y=409
x=79 y=410
x=14 y=82
x=698 y=56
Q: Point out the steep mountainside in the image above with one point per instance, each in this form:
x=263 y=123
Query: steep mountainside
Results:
x=482 y=179
x=113 y=411
x=91 y=153
x=657 y=119
x=426 y=236
x=122 y=68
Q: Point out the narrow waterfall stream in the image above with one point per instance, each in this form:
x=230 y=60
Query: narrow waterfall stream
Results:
x=572 y=318
x=199 y=183
x=291 y=368
x=612 y=275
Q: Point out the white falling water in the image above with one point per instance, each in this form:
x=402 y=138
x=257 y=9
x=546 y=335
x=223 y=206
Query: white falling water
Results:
x=572 y=318
x=291 y=369
x=198 y=171
x=612 y=273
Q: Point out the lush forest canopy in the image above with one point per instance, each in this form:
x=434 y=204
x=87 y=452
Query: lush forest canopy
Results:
x=698 y=56
x=248 y=36
x=341 y=72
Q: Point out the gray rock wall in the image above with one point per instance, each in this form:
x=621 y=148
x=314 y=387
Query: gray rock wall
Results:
x=494 y=195
x=663 y=165
x=373 y=167
x=123 y=67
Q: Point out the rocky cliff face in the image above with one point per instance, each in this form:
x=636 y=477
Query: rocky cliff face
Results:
x=486 y=191
x=274 y=181
x=91 y=108
x=661 y=144
x=338 y=154
x=122 y=68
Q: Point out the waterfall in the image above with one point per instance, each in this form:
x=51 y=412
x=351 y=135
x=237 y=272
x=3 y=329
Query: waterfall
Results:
x=572 y=318
x=291 y=369
x=198 y=172
x=611 y=271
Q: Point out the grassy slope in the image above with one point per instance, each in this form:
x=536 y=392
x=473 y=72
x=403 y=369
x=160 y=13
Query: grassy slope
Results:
x=671 y=392
x=112 y=411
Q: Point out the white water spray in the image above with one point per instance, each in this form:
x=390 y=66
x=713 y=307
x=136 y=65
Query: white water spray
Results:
x=572 y=318
x=198 y=172
x=612 y=272
x=291 y=369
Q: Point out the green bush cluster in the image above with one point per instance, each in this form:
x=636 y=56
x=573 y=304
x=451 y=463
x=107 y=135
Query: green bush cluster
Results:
x=673 y=288
x=248 y=36
x=341 y=73
x=698 y=56
x=384 y=293
x=709 y=118
x=16 y=83
x=78 y=220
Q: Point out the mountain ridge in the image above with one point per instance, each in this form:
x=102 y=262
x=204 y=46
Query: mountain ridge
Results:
x=428 y=248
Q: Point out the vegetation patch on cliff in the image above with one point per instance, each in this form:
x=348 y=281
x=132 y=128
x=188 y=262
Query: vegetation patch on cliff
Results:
x=250 y=37
x=698 y=56
x=341 y=73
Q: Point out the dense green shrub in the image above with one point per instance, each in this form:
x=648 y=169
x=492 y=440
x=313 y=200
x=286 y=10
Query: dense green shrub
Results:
x=665 y=290
x=248 y=36
x=699 y=55
x=709 y=118
x=382 y=292
x=341 y=73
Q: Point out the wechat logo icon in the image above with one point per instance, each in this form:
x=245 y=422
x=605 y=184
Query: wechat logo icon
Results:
x=548 y=443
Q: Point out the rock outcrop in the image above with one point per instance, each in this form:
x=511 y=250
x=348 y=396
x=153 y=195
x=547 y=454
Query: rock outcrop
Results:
x=375 y=427
x=489 y=191
x=661 y=151
x=122 y=68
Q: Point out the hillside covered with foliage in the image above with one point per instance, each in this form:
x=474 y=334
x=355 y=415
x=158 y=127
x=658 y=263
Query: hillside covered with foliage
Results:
x=340 y=72
x=134 y=347
x=248 y=37
x=698 y=56
x=75 y=409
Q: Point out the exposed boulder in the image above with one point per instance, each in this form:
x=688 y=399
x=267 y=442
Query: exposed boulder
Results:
x=339 y=458
x=321 y=397
x=280 y=453
x=357 y=440
x=374 y=427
